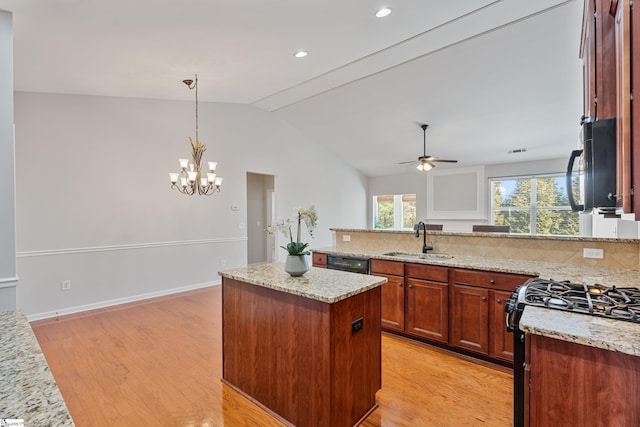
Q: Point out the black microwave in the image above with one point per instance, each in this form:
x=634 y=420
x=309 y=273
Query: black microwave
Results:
x=591 y=172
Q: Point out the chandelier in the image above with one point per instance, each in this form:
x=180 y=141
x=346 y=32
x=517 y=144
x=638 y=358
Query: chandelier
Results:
x=191 y=180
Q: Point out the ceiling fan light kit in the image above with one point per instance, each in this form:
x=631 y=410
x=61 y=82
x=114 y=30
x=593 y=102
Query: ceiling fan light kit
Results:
x=425 y=163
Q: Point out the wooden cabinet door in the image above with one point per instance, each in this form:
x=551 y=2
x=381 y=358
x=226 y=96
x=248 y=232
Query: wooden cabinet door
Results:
x=623 y=113
x=588 y=55
x=500 y=341
x=470 y=318
x=393 y=303
x=427 y=312
x=635 y=111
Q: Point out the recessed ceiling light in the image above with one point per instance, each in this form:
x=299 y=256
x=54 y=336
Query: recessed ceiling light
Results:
x=300 y=54
x=385 y=11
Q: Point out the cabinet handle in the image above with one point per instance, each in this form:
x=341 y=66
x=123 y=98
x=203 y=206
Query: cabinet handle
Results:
x=499 y=301
x=399 y=284
x=411 y=286
x=484 y=298
x=492 y=281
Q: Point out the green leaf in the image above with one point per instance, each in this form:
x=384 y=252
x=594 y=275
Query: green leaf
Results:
x=296 y=248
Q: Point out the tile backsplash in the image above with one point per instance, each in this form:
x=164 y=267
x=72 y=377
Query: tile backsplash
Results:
x=624 y=253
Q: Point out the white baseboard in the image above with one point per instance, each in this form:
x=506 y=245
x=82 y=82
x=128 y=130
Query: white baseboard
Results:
x=109 y=303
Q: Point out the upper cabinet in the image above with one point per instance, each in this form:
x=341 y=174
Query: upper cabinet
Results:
x=607 y=49
x=620 y=11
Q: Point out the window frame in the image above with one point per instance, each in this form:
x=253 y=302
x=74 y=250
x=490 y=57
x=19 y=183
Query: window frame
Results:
x=398 y=210
x=533 y=207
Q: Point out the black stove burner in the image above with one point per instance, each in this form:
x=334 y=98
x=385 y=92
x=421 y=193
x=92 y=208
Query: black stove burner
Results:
x=600 y=300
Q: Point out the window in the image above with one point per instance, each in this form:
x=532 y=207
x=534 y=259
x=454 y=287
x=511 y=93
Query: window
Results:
x=394 y=212
x=533 y=205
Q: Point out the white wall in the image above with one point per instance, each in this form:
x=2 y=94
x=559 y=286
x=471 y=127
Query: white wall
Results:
x=8 y=278
x=416 y=182
x=94 y=204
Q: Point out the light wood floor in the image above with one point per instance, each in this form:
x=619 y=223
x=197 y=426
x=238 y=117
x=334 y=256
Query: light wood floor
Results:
x=159 y=363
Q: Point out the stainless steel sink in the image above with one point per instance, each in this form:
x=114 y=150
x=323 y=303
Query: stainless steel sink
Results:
x=418 y=255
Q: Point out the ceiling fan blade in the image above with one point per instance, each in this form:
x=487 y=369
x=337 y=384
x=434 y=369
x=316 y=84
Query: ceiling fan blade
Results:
x=406 y=163
x=444 y=160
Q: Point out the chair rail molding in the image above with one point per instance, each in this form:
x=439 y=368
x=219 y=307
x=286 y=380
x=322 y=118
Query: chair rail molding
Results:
x=67 y=251
x=9 y=282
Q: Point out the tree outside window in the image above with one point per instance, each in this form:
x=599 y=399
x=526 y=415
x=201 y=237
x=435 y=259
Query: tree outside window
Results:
x=533 y=205
x=394 y=212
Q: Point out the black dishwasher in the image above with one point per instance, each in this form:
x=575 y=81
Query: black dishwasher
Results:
x=348 y=263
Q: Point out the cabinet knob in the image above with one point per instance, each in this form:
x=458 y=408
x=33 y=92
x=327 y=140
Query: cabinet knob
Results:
x=484 y=298
x=400 y=284
x=411 y=286
x=492 y=281
x=499 y=301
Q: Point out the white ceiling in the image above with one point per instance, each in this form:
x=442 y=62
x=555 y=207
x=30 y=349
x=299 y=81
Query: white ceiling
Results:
x=487 y=76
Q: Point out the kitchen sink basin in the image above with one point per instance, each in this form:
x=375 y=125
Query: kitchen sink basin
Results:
x=418 y=255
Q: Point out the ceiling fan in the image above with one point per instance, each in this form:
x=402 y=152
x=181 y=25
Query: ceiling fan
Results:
x=425 y=162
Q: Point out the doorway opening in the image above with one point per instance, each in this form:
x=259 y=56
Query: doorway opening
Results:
x=260 y=213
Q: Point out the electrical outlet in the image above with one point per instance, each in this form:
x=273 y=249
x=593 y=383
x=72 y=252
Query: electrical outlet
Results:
x=66 y=285
x=356 y=326
x=593 y=253
x=223 y=263
x=346 y=238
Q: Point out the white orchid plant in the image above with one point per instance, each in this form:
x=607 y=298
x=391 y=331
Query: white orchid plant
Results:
x=307 y=215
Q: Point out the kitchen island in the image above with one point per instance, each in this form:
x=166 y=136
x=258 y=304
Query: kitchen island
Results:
x=28 y=391
x=580 y=369
x=306 y=349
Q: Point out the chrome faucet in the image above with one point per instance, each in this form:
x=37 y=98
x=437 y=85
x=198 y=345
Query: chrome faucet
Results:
x=425 y=248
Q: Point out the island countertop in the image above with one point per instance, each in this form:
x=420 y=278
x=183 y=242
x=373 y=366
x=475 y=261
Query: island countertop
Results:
x=28 y=390
x=319 y=284
x=593 y=331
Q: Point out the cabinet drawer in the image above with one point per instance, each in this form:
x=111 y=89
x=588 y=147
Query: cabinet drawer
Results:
x=387 y=267
x=319 y=259
x=427 y=272
x=489 y=279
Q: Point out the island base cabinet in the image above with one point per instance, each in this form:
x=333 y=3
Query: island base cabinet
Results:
x=299 y=358
x=577 y=385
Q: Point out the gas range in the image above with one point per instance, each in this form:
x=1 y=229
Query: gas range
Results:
x=620 y=303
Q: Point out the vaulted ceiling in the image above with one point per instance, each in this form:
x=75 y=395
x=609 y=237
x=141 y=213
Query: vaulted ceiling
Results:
x=487 y=76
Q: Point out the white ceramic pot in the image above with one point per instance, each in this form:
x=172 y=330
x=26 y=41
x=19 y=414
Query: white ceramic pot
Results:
x=296 y=265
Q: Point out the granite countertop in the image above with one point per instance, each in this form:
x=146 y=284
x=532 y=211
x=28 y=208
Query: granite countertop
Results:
x=615 y=335
x=546 y=270
x=319 y=284
x=594 y=331
x=27 y=388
